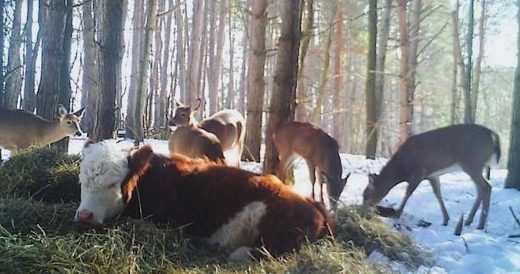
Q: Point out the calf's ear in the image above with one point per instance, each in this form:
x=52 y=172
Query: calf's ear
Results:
x=138 y=163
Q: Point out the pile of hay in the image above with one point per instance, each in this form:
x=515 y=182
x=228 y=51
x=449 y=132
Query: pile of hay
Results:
x=42 y=174
x=39 y=236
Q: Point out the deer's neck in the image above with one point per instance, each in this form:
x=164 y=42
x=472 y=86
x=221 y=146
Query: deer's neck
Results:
x=51 y=132
x=392 y=174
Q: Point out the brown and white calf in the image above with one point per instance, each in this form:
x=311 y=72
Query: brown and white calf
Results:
x=320 y=152
x=469 y=148
x=231 y=207
x=196 y=143
x=228 y=125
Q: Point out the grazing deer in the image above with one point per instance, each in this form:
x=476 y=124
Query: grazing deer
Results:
x=469 y=148
x=320 y=152
x=20 y=129
x=228 y=125
x=195 y=143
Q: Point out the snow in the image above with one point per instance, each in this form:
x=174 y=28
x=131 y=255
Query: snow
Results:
x=475 y=251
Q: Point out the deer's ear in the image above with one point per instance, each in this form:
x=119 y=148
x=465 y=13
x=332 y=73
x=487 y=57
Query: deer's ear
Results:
x=177 y=104
x=79 y=113
x=62 y=111
x=196 y=105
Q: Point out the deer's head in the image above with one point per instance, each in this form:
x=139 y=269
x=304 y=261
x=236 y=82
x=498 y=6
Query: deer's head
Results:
x=183 y=114
x=69 y=122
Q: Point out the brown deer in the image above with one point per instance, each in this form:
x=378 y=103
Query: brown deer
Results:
x=195 y=143
x=320 y=152
x=20 y=129
x=469 y=148
x=228 y=125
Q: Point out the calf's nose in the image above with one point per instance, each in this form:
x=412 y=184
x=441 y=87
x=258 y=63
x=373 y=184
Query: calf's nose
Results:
x=85 y=216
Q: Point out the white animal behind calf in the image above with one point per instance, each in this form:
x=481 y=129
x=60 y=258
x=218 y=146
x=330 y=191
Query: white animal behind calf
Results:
x=20 y=129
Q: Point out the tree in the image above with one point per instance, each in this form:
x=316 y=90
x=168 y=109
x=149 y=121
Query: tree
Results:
x=143 y=70
x=283 y=100
x=54 y=87
x=455 y=56
x=110 y=61
x=256 y=82
x=301 y=97
x=13 y=81
x=2 y=3
x=405 y=116
x=31 y=53
x=370 y=85
x=215 y=58
x=513 y=164
x=195 y=58
x=469 y=117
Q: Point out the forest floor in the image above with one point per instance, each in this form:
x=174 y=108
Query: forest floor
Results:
x=475 y=251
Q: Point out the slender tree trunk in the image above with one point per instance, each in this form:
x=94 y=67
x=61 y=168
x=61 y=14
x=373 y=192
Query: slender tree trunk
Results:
x=143 y=70
x=195 y=59
x=414 y=26
x=255 y=76
x=13 y=81
x=469 y=116
x=110 y=60
x=513 y=164
x=242 y=89
x=2 y=33
x=308 y=24
x=181 y=50
x=230 y=98
x=163 y=106
x=338 y=77
x=136 y=51
x=283 y=100
x=324 y=77
x=90 y=84
x=370 y=86
x=29 y=101
x=478 y=61
x=455 y=49
x=216 y=65
x=405 y=100
x=54 y=87
x=157 y=70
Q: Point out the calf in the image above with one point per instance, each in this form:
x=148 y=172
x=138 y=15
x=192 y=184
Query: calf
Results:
x=231 y=207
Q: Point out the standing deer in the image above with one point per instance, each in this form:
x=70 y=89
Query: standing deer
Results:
x=469 y=148
x=20 y=129
x=227 y=125
x=320 y=152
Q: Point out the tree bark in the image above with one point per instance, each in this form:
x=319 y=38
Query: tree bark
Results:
x=163 y=104
x=370 y=85
x=157 y=69
x=414 y=26
x=405 y=118
x=338 y=100
x=469 y=116
x=283 y=99
x=230 y=98
x=2 y=33
x=513 y=164
x=301 y=98
x=455 y=54
x=111 y=55
x=31 y=53
x=181 y=50
x=478 y=61
x=242 y=89
x=90 y=80
x=54 y=87
x=256 y=82
x=216 y=60
x=143 y=70
x=13 y=81
x=195 y=59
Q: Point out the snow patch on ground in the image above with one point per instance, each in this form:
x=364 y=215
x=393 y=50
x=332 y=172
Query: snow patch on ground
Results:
x=475 y=251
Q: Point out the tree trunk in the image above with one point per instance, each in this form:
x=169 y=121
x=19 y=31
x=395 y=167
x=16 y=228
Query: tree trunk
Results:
x=370 y=86
x=308 y=23
x=283 y=99
x=242 y=89
x=338 y=78
x=31 y=52
x=54 y=85
x=13 y=81
x=2 y=33
x=256 y=82
x=143 y=70
x=195 y=59
x=478 y=60
x=230 y=98
x=405 y=100
x=455 y=54
x=324 y=77
x=157 y=70
x=414 y=26
x=216 y=60
x=513 y=164
x=163 y=106
x=469 y=116
x=181 y=50
x=111 y=55
x=90 y=80
x=137 y=25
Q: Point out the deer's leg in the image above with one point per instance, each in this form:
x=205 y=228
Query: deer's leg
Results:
x=437 y=191
x=488 y=173
x=411 y=188
x=484 y=196
x=312 y=175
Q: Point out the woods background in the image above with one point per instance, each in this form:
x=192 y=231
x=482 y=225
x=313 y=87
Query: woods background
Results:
x=369 y=73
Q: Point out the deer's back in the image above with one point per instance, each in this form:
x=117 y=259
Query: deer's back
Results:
x=19 y=129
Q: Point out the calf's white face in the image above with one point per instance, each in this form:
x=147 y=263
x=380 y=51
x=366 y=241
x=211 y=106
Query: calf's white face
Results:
x=102 y=170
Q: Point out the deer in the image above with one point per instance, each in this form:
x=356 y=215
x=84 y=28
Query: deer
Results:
x=319 y=150
x=20 y=129
x=194 y=142
x=467 y=147
x=227 y=125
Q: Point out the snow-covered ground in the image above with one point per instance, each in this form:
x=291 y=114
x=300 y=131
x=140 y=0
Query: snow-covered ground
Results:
x=475 y=251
